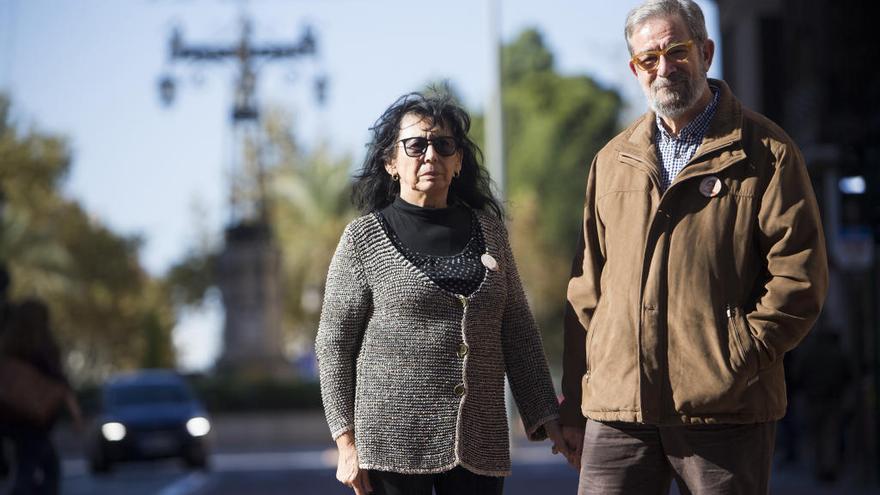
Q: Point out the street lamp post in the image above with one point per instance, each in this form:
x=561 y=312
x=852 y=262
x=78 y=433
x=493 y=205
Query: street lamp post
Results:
x=248 y=268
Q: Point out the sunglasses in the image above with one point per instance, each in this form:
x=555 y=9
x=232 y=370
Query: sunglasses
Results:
x=649 y=60
x=416 y=146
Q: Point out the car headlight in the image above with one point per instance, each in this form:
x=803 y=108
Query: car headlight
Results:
x=113 y=431
x=198 y=426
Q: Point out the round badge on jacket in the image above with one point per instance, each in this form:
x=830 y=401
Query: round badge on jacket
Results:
x=710 y=187
x=489 y=262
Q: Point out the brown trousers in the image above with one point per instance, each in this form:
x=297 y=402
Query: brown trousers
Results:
x=637 y=459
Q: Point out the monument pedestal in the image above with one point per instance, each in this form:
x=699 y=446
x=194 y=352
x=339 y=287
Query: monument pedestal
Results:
x=249 y=275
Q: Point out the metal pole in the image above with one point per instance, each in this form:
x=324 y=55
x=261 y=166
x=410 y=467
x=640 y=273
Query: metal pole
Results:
x=494 y=115
x=494 y=130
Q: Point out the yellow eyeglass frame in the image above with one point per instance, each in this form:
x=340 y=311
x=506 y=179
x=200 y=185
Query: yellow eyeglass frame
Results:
x=661 y=53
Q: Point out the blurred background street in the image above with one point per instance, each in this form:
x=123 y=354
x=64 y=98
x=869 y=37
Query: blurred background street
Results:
x=175 y=175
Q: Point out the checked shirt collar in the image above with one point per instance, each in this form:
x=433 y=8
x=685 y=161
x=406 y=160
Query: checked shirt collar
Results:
x=675 y=152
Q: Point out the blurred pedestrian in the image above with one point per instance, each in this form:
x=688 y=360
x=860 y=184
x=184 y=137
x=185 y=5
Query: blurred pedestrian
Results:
x=4 y=310
x=825 y=377
x=701 y=263
x=424 y=315
x=28 y=339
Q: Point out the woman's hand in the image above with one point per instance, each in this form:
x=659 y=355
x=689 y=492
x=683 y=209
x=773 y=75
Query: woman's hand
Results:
x=348 y=470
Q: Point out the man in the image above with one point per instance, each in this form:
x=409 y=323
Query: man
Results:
x=702 y=261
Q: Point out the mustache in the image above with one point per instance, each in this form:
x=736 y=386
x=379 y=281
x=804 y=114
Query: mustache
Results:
x=674 y=79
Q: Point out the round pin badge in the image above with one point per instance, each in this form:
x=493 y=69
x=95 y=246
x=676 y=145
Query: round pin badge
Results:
x=489 y=262
x=710 y=187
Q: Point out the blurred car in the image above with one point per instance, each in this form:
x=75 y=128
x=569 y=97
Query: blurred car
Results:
x=149 y=414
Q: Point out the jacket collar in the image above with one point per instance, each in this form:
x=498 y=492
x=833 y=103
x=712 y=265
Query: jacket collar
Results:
x=725 y=131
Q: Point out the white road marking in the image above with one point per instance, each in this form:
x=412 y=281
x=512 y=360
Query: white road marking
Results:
x=186 y=485
x=274 y=461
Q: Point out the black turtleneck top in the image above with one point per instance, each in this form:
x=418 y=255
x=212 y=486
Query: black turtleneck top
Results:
x=445 y=243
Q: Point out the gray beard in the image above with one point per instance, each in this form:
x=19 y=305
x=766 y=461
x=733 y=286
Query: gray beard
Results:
x=673 y=101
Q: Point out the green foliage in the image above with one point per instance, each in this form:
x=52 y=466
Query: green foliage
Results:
x=237 y=394
x=525 y=56
x=553 y=126
x=226 y=393
x=309 y=201
x=107 y=312
x=189 y=279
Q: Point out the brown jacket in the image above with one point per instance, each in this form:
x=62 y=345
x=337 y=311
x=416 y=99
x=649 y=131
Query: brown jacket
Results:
x=693 y=296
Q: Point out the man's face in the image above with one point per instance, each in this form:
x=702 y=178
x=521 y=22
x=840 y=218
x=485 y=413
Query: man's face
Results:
x=674 y=86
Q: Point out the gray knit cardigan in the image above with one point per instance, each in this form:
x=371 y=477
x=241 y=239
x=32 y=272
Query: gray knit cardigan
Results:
x=418 y=372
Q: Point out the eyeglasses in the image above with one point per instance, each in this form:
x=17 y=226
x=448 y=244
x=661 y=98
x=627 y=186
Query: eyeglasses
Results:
x=416 y=146
x=649 y=60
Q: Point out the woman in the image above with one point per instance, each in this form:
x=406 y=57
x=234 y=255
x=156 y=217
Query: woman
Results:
x=423 y=316
x=28 y=338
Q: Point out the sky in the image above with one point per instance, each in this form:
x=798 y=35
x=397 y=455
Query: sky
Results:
x=89 y=70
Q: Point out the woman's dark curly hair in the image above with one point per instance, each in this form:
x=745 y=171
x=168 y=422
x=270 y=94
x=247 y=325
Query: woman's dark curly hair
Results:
x=373 y=188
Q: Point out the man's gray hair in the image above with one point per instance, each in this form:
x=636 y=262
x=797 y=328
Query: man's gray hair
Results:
x=689 y=11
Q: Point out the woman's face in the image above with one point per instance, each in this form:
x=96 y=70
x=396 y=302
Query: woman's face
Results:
x=426 y=177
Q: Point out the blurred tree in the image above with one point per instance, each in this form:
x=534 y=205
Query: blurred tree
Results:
x=189 y=279
x=309 y=208
x=553 y=126
x=108 y=313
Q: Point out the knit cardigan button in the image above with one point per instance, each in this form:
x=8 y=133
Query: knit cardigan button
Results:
x=463 y=350
x=460 y=390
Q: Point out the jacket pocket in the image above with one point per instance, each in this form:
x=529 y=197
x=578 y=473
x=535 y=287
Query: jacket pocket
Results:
x=591 y=333
x=742 y=354
x=596 y=324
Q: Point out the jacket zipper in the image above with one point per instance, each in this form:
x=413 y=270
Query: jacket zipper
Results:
x=733 y=325
x=590 y=333
x=636 y=162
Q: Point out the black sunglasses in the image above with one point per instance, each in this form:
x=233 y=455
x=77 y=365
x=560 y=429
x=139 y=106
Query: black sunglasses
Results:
x=416 y=146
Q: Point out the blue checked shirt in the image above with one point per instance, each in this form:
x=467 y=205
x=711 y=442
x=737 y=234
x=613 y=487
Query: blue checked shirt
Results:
x=674 y=153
